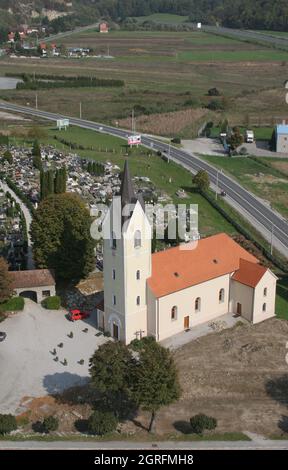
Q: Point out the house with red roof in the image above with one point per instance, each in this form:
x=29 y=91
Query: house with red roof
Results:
x=174 y=290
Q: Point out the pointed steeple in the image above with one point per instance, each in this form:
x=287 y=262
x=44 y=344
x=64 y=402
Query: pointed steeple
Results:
x=127 y=193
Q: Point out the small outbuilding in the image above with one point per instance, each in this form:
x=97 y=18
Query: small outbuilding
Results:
x=282 y=138
x=36 y=284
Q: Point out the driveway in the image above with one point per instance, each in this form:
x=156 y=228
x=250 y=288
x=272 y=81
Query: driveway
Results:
x=28 y=369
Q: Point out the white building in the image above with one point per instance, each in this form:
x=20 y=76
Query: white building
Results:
x=168 y=292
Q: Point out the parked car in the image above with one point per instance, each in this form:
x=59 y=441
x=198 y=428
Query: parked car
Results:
x=223 y=193
x=3 y=335
x=76 y=314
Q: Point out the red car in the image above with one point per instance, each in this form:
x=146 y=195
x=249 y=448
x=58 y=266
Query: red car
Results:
x=77 y=315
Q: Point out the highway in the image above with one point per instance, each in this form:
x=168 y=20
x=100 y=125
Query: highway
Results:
x=246 y=35
x=261 y=215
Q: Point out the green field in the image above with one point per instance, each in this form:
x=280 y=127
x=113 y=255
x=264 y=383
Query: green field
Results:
x=163 y=18
x=282 y=298
x=265 y=55
x=258 y=176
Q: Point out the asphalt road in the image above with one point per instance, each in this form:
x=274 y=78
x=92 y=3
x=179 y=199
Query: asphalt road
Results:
x=243 y=34
x=256 y=211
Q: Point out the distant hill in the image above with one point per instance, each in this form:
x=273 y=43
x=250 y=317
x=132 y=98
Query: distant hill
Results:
x=253 y=14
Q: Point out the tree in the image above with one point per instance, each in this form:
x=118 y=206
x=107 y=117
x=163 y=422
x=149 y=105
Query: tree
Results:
x=102 y=422
x=201 y=180
x=36 y=150
x=214 y=92
x=235 y=139
x=154 y=378
x=5 y=281
x=37 y=162
x=110 y=369
x=60 y=232
x=50 y=423
x=8 y=157
x=7 y=424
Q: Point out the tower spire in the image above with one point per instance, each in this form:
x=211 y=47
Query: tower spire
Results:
x=127 y=192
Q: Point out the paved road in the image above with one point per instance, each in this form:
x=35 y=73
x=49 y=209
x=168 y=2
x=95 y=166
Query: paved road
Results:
x=176 y=445
x=271 y=225
x=242 y=34
x=28 y=218
x=55 y=37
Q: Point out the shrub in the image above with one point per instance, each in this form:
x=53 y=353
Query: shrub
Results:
x=102 y=422
x=15 y=304
x=243 y=151
x=52 y=303
x=214 y=92
x=199 y=423
x=50 y=423
x=176 y=140
x=7 y=424
x=215 y=105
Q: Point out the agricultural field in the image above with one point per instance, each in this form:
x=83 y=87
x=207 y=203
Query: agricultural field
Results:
x=258 y=175
x=165 y=73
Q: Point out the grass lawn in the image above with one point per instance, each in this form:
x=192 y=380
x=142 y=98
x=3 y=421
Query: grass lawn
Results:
x=282 y=298
x=233 y=56
x=265 y=181
x=13 y=305
x=260 y=133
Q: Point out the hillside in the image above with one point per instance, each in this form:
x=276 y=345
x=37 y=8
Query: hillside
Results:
x=254 y=14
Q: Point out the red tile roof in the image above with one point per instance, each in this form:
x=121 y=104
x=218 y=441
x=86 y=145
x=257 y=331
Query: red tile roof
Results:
x=249 y=274
x=176 y=269
x=33 y=278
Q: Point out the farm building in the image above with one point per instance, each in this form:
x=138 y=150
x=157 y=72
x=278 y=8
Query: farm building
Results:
x=103 y=28
x=282 y=138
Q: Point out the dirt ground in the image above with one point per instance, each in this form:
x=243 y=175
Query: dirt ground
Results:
x=239 y=376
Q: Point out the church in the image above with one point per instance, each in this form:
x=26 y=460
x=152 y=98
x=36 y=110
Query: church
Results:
x=168 y=292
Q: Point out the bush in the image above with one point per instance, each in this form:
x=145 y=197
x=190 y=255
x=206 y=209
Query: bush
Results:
x=243 y=151
x=176 y=140
x=214 y=92
x=102 y=422
x=50 y=423
x=199 y=423
x=52 y=303
x=215 y=105
x=15 y=304
x=7 y=424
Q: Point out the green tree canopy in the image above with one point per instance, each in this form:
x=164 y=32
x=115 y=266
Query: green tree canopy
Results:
x=5 y=281
x=201 y=180
x=154 y=378
x=60 y=232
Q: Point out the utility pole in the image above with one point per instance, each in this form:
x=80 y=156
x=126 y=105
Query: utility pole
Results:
x=169 y=153
x=80 y=110
x=217 y=185
x=272 y=239
x=36 y=100
x=133 y=122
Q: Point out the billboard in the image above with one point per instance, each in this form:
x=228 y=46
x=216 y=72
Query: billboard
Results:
x=62 y=123
x=134 y=139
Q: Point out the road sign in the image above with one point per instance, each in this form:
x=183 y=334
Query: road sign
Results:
x=62 y=123
x=134 y=139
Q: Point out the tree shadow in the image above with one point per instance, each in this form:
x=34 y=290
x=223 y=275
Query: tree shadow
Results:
x=283 y=423
x=278 y=389
x=38 y=427
x=183 y=426
x=58 y=382
x=81 y=425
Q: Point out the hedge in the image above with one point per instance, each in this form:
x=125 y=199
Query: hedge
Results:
x=15 y=304
x=52 y=303
x=102 y=422
x=199 y=423
x=7 y=424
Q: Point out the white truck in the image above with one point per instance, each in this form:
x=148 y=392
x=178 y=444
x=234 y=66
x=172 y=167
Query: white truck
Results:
x=249 y=137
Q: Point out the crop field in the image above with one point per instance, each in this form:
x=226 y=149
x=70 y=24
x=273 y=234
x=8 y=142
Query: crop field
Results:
x=164 y=72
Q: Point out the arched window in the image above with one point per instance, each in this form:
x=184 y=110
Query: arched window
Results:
x=264 y=308
x=138 y=275
x=138 y=300
x=114 y=299
x=221 y=295
x=174 y=313
x=113 y=241
x=137 y=239
x=198 y=304
x=265 y=292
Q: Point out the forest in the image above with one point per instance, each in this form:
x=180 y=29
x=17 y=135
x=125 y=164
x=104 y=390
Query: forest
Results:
x=253 y=14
